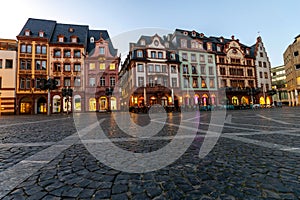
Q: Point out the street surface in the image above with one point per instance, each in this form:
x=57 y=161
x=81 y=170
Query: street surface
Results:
x=257 y=156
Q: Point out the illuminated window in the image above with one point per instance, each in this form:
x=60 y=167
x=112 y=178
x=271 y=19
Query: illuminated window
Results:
x=112 y=66
x=102 y=66
x=92 y=66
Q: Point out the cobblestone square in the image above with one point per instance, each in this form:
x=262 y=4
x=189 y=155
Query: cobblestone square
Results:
x=257 y=156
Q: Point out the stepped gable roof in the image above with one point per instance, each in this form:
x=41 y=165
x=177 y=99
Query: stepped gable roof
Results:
x=68 y=31
x=37 y=25
x=97 y=34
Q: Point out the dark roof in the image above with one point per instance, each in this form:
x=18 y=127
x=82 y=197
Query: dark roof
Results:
x=69 y=30
x=37 y=25
x=96 y=34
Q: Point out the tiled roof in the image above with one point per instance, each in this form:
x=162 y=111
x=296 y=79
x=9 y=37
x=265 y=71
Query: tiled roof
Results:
x=37 y=25
x=69 y=30
x=96 y=34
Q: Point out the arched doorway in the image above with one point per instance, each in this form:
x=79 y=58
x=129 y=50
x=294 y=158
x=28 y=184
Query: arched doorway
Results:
x=25 y=105
x=244 y=100
x=262 y=101
x=141 y=101
x=164 y=101
x=268 y=101
x=204 y=99
x=56 y=104
x=67 y=104
x=235 y=101
x=41 y=105
x=77 y=103
x=113 y=103
x=153 y=100
x=102 y=102
x=196 y=99
x=92 y=104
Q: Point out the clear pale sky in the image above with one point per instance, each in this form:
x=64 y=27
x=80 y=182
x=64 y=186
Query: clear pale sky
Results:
x=277 y=22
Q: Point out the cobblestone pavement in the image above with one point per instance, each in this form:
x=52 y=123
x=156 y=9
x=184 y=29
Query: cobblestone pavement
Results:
x=256 y=157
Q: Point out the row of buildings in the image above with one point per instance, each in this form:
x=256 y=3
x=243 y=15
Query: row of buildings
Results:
x=181 y=69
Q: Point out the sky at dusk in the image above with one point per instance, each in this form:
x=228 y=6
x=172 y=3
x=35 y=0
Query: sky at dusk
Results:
x=277 y=22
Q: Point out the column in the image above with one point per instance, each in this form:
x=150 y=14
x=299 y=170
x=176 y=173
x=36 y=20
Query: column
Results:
x=296 y=97
x=289 y=98
x=292 y=95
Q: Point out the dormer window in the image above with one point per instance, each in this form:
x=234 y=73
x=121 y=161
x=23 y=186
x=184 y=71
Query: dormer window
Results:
x=27 y=32
x=73 y=39
x=218 y=48
x=209 y=46
x=142 y=42
x=101 y=50
x=92 y=39
x=221 y=39
x=194 y=34
x=201 y=35
x=41 y=34
x=61 y=38
x=247 y=51
x=71 y=30
x=185 y=33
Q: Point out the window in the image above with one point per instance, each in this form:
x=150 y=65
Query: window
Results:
x=102 y=66
x=25 y=64
x=92 y=39
x=266 y=75
x=260 y=75
x=209 y=46
x=183 y=43
x=264 y=64
x=28 y=82
x=77 y=82
x=249 y=62
x=74 y=39
x=112 y=81
x=57 y=53
x=77 y=53
x=184 y=57
x=22 y=83
x=164 y=68
x=210 y=59
x=150 y=68
x=249 y=72
x=41 y=34
x=140 y=53
x=173 y=69
x=101 y=50
x=28 y=48
x=142 y=42
x=186 y=82
x=92 y=66
x=140 y=67
x=296 y=53
x=174 y=82
x=140 y=81
x=202 y=58
x=40 y=65
x=23 y=48
x=77 y=67
x=222 y=60
x=185 y=69
x=195 y=82
x=38 y=49
x=251 y=83
x=222 y=71
x=247 y=51
x=218 y=48
x=58 y=81
x=44 y=50
x=165 y=81
x=210 y=70
x=297 y=66
x=194 y=69
x=259 y=63
x=202 y=68
x=261 y=54
x=67 y=67
x=151 y=81
x=153 y=54
x=67 y=53
x=212 y=83
x=92 y=82
x=160 y=54
x=236 y=72
x=223 y=83
x=37 y=82
x=235 y=61
x=8 y=64
x=102 y=81
x=56 y=67
x=61 y=39
x=1 y=64
x=67 y=82
x=193 y=57
x=27 y=32
x=112 y=66
x=157 y=68
x=172 y=55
